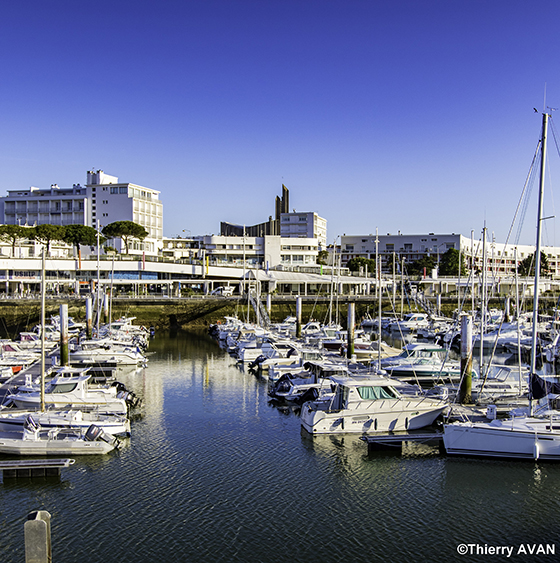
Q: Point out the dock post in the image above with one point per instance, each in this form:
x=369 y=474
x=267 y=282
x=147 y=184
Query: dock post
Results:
x=105 y=308
x=466 y=360
x=350 y=331
x=37 y=532
x=269 y=304
x=298 y=316
x=89 y=317
x=64 y=334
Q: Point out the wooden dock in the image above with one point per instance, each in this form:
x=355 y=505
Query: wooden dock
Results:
x=392 y=440
x=13 y=469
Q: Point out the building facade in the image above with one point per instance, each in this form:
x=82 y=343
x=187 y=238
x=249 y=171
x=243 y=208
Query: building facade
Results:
x=304 y=225
x=499 y=258
x=101 y=201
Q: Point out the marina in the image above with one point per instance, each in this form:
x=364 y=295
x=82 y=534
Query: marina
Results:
x=231 y=477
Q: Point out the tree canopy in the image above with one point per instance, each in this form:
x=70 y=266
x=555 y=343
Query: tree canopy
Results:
x=449 y=263
x=48 y=233
x=13 y=233
x=417 y=268
x=527 y=266
x=81 y=235
x=354 y=264
x=126 y=230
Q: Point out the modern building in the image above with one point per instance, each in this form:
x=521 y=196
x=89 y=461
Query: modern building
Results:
x=285 y=223
x=53 y=206
x=112 y=201
x=101 y=201
x=500 y=258
x=304 y=225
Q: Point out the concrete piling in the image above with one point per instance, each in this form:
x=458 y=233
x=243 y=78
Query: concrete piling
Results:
x=37 y=532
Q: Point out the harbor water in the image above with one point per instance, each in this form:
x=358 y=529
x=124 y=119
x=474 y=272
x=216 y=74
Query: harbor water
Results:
x=214 y=473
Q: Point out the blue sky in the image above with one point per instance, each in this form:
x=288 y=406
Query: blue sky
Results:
x=410 y=116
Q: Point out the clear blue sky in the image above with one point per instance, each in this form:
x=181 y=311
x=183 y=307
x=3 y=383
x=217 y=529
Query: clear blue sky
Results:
x=412 y=116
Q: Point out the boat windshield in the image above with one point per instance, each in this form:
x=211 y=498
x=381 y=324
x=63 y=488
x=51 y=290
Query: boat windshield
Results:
x=374 y=393
x=61 y=387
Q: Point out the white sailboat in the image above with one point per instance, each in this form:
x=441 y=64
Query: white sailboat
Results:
x=527 y=436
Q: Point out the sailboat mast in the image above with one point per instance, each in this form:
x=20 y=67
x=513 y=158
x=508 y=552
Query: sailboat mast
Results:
x=43 y=295
x=538 y=247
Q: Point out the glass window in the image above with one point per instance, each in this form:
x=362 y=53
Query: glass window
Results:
x=374 y=393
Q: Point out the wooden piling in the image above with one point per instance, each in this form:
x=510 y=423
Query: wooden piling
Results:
x=64 y=358
x=466 y=360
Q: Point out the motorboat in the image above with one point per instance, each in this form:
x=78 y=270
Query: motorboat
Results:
x=70 y=389
x=423 y=364
x=522 y=437
x=14 y=420
x=34 y=440
x=368 y=405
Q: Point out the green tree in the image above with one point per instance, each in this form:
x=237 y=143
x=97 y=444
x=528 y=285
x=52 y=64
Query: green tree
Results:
x=323 y=257
x=354 y=264
x=13 y=233
x=48 y=233
x=81 y=235
x=527 y=266
x=449 y=263
x=126 y=230
x=417 y=268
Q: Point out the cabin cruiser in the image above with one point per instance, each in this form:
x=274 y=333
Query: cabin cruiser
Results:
x=69 y=389
x=367 y=405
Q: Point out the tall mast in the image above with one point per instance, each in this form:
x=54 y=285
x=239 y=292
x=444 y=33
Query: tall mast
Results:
x=538 y=247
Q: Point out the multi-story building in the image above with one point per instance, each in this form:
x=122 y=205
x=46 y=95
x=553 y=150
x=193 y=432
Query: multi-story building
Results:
x=112 y=201
x=500 y=258
x=54 y=206
x=285 y=224
x=101 y=201
x=304 y=225
x=267 y=251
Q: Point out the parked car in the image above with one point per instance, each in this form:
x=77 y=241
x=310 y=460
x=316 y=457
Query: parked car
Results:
x=223 y=291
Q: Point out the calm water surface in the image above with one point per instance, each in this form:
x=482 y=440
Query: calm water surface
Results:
x=214 y=473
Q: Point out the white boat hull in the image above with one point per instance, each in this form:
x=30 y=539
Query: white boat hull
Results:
x=13 y=444
x=389 y=415
x=513 y=439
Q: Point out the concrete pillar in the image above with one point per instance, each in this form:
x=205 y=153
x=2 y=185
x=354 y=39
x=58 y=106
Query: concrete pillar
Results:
x=350 y=331
x=37 y=533
x=89 y=316
x=64 y=334
x=466 y=360
x=298 y=316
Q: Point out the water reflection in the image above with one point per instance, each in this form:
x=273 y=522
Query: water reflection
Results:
x=213 y=472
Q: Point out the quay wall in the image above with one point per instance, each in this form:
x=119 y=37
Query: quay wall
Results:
x=17 y=315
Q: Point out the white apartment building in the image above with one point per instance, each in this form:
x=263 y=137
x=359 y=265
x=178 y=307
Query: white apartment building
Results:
x=500 y=257
x=53 y=206
x=304 y=225
x=102 y=201
x=268 y=251
x=112 y=201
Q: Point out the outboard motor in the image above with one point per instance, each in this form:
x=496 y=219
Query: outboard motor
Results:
x=257 y=362
x=94 y=433
x=309 y=395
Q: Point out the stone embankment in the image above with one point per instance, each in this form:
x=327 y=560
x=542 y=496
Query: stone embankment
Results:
x=17 y=315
